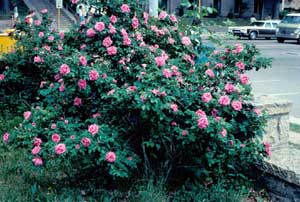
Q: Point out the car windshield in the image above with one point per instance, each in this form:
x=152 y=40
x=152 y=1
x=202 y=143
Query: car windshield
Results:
x=291 y=19
x=257 y=24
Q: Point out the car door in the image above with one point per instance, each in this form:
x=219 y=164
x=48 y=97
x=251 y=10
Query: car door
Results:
x=267 y=30
x=274 y=26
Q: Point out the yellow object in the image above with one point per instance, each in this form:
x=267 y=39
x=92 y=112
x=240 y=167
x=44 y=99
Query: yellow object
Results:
x=7 y=43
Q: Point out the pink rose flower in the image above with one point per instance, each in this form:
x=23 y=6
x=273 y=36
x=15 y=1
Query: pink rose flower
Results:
x=82 y=60
x=37 y=22
x=99 y=26
x=200 y=112
x=160 y=61
x=184 y=133
x=36 y=150
x=125 y=8
x=210 y=73
x=64 y=69
x=62 y=35
x=27 y=115
x=110 y=157
x=112 y=29
x=37 y=161
x=267 y=148
x=61 y=88
x=37 y=141
x=224 y=100
x=90 y=33
x=107 y=42
x=173 y=18
x=113 y=19
x=132 y=88
x=112 y=50
x=203 y=122
x=162 y=15
x=93 y=129
x=171 y=40
x=42 y=84
x=75 y=1
x=229 y=88
x=219 y=65
x=82 y=84
x=85 y=142
x=93 y=75
x=236 y=105
x=77 y=101
x=126 y=41
x=224 y=132
x=240 y=65
x=60 y=148
x=174 y=107
x=44 y=11
x=2 y=76
x=55 y=138
x=186 y=41
x=37 y=59
x=96 y=115
x=155 y=92
x=5 y=138
x=51 y=38
x=244 y=79
x=53 y=126
x=206 y=97
x=146 y=17
x=167 y=73
x=83 y=46
x=257 y=111
x=239 y=48
x=72 y=137
x=41 y=34
x=135 y=22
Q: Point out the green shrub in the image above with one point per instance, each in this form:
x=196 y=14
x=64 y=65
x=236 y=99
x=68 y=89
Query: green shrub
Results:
x=140 y=99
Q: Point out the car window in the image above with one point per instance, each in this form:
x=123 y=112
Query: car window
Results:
x=257 y=24
x=274 y=24
x=291 y=19
x=268 y=25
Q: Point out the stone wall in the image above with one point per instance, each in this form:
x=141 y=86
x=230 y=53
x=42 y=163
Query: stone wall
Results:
x=277 y=109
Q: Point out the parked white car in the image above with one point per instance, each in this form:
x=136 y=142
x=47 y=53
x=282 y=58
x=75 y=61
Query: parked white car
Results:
x=261 y=28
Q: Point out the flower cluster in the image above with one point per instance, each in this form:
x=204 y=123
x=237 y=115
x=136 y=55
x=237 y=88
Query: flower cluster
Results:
x=122 y=84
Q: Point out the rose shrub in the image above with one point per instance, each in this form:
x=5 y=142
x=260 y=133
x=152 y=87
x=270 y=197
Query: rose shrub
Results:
x=127 y=93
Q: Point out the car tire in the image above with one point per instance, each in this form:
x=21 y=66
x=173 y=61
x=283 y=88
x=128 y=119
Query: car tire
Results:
x=253 y=35
x=280 y=40
x=298 y=41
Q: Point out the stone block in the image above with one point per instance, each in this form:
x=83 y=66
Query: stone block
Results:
x=277 y=109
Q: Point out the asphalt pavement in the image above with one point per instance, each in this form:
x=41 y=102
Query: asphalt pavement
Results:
x=283 y=79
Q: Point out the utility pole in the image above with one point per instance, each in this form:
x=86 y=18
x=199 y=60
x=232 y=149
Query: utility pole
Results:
x=153 y=8
x=282 y=5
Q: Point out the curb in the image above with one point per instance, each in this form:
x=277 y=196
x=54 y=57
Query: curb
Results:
x=295 y=124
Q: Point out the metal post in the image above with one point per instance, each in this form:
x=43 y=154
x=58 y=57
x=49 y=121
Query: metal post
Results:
x=282 y=5
x=153 y=8
x=58 y=19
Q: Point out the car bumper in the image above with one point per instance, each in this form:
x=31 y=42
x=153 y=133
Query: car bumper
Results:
x=240 y=34
x=288 y=36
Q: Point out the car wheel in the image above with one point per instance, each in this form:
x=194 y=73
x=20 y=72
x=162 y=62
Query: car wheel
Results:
x=298 y=40
x=280 y=40
x=252 y=35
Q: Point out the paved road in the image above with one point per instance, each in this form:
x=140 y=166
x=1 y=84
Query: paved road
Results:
x=283 y=79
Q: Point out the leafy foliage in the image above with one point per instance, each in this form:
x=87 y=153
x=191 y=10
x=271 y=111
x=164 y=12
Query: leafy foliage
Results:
x=126 y=95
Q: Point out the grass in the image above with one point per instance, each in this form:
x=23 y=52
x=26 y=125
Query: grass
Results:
x=21 y=182
x=295 y=127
